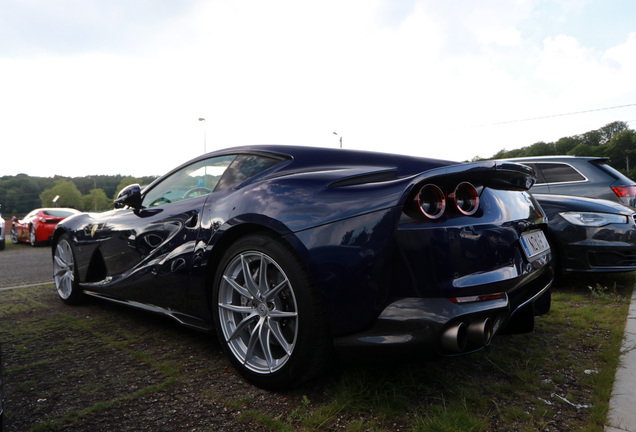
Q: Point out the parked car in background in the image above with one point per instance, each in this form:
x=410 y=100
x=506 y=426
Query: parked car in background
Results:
x=2 y=233
x=287 y=251
x=590 y=235
x=589 y=177
x=38 y=225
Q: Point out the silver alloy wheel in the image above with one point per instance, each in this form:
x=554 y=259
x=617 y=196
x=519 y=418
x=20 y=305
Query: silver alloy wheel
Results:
x=14 y=235
x=258 y=312
x=64 y=269
x=32 y=238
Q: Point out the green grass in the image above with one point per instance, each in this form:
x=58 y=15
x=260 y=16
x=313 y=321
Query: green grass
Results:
x=516 y=384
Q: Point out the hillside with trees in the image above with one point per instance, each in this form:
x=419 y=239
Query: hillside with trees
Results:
x=20 y=194
x=614 y=141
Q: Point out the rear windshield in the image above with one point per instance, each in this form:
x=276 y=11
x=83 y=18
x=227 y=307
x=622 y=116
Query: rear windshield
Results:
x=613 y=172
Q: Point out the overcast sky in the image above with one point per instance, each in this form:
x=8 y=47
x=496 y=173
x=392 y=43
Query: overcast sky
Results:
x=117 y=87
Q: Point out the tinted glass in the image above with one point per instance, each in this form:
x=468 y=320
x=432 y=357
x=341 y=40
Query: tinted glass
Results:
x=200 y=178
x=559 y=173
x=613 y=172
x=244 y=167
x=59 y=213
x=537 y=172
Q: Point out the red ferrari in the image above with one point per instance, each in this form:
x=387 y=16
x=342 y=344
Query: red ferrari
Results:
x=38 y=225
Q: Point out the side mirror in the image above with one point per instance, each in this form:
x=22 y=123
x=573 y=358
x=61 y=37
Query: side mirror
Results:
x=14 y=219
x=129 y=196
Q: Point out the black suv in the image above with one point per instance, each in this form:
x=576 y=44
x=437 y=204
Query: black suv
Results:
x=580 y=176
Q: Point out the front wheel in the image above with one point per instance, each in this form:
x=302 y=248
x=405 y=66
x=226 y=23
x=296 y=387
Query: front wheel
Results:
x=33 y=240
x=14 y=235
x=268 y=315
x=65 y=272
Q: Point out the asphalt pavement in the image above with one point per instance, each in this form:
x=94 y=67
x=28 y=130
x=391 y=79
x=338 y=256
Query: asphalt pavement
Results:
x=25 y=265
x=22 y=264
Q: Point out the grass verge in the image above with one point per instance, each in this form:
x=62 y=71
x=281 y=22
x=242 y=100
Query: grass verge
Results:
x=77 y=368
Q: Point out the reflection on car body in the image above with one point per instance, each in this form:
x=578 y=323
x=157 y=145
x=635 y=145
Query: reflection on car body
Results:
x=287 y=252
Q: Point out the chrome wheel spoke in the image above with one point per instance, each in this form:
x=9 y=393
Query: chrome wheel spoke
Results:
x=238 y=288
x=276 y=332
x=243 y=325
x=264 y=339
x=276 y=290
x=250 y=283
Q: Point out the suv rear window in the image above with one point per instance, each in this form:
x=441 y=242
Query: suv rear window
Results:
x=558 y=173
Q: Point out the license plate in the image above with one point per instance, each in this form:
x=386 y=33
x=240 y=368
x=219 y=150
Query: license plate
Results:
x=534 y=244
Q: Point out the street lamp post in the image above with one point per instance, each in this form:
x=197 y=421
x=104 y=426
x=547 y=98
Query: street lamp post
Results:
x=336 y=134
x=201 y=119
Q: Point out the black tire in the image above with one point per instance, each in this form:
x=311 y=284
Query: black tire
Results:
x=14 y=235
x=2 y=243
x=272 y=325
x=65 y=272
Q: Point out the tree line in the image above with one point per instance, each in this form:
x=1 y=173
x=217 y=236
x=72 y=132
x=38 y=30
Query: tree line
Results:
x=615 y=141
x=22 y=193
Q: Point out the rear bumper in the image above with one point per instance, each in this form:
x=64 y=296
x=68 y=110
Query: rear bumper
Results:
x=419 y=324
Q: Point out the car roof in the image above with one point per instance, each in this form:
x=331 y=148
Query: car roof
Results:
x=558 y=158
x=312 y=158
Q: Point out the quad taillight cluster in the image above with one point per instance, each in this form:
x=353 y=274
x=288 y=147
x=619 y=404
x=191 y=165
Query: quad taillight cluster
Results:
x=431 y=200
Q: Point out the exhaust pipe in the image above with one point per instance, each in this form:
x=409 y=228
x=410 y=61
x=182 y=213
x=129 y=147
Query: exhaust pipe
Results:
x=480 y=332
x=454 y=338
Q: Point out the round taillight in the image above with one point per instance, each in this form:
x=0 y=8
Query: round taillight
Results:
x=431 y=202
x=466 y=198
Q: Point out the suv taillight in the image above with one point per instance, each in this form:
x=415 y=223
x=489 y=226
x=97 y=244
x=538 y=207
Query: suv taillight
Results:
x=625 y=191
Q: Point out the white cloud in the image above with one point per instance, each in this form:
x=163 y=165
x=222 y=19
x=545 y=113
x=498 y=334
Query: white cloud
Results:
x=417 y=77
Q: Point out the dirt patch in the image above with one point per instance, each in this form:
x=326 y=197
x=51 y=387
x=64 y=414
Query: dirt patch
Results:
x=105 y=367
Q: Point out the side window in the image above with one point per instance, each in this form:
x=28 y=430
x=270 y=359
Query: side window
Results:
x=244 y=167
x=537 y=172
x=560 y=173
x=200 y=178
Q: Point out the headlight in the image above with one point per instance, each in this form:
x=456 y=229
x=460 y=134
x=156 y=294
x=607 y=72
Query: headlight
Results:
x=590 y=219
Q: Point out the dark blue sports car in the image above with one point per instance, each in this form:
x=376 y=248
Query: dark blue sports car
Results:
x=288 y=252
